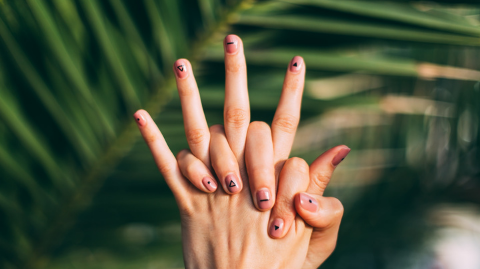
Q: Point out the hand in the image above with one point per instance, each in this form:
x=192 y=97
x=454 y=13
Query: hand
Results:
x=195 y=165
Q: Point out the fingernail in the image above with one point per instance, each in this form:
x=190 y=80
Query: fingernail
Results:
x=296 y=63
x=181 y=68
x=232 y=183
x=263 y=199
x=340 y=156
x=277 y=228
x=231 y=44
x=209 y=183
x=139 y=118
x=309 y=203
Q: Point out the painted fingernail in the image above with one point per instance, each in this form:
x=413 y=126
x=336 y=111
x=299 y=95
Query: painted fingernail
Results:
x=209 y=183
x=340 y=156
x=231 y=44
x=309 y=203
x=181 y=68
x=263 y=199
x=232 y=183
x=296 y=63
x=277 y=228
x=139 y=118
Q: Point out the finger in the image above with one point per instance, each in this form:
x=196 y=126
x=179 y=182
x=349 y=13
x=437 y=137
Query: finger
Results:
x=166 y=162
x=322 y=168
x=324 y=214
x=287 y=115
x=223 y=161
x=237 y=107
x=196 y=128
x=196 y=171
x=259 y=162
x=294 y=178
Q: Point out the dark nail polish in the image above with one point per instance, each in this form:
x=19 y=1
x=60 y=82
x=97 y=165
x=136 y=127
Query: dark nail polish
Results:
x=139 y=118
x=277 y=228
x=296 y=64
x=209 y=183
x=263 y=199
x=181 y=69
x=340 y=156
x=309 y=203
x=231 y=44
x=232 y=183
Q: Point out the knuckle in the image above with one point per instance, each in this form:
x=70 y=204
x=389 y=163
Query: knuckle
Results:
x=150 y=139
x=298 y=164
x=217 y=128
x=196 y=136
x=165 y=169
x=237 y=117
x=259 y=126
x=286 y=123
x=182 y=153
x=185 y=91
x=338 y=208
x=320 y=180
x=233 y=66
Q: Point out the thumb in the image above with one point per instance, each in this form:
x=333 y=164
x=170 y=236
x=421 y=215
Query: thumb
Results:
x=324 y=214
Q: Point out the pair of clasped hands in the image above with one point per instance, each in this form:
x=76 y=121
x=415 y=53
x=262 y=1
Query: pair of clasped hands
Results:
x=269 y=211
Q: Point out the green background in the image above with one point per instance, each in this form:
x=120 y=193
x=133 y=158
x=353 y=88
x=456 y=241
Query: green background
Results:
x=395 y=81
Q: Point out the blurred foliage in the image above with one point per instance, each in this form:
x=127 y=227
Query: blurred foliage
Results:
x=395 y=81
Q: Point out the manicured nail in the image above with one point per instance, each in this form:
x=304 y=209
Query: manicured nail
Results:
x=139 y=118
x=340 y=156
x=296 y=63
x=263 y=199
x=231 y=44
x=181 y=68
x=232 y=183
x=277 y=228
x=309 y=203
x=209 y=183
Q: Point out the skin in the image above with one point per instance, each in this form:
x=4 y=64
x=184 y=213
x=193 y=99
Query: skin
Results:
x=227 y=227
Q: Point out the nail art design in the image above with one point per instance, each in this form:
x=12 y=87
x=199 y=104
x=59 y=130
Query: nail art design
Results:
x=308 y=203
x=277 y=228
x=340 y=156
x=231 y=44
x=263 y=199
x=209 y=183
x=140 y=119
x=296 y=64
x=232 y=183
x=182 y=67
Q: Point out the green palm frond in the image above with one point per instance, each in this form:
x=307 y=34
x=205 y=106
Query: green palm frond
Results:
x=75 y=180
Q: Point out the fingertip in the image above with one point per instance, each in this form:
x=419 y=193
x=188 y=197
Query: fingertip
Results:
x=296 y=64
x=140 y=117
x=181 y=68
x=232 y=44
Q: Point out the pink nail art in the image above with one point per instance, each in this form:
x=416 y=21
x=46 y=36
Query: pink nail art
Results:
x=232 y=183
x=139 y=118
x=209 y=183
x=263 y=199
x=277 y=228
x=309 y=203
x=231 y=44
x=340 y=156
x=181 y=68
x=296 y=64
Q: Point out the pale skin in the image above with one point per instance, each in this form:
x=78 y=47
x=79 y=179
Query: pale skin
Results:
x=274 y=214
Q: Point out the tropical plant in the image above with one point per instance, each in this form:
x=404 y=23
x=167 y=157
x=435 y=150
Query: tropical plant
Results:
x=395 y=81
